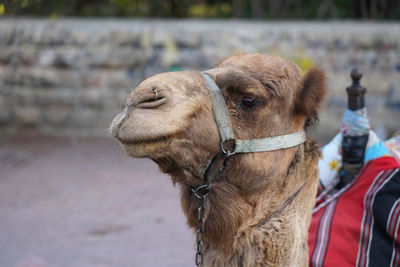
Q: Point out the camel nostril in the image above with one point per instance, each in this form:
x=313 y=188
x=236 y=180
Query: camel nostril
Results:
x=152 y=102
x=147 y=98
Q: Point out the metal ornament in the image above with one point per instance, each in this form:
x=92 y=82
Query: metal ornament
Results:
x=155 y=93
x=201 y=194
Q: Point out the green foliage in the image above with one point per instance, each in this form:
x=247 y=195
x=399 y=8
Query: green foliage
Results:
x=305 y=63
x=298 y=56
x=2 y=9
x=223 y=10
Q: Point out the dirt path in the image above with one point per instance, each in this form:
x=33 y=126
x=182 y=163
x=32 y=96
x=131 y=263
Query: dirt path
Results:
x=74 y=202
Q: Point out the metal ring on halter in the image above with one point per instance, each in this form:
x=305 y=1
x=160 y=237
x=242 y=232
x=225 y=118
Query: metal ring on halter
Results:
x=155 y=92
x=197 y=192
x=227 y=153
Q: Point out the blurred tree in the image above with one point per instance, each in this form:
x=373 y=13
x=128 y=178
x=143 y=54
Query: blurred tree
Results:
x=238 y=8
x=257 y=9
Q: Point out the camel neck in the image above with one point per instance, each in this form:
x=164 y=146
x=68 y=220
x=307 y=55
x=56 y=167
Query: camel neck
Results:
x=233 y=209
x=285 y=204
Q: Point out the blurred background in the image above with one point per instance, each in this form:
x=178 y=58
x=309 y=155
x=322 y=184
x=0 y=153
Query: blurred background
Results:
x=246 y=9
x=68 y=195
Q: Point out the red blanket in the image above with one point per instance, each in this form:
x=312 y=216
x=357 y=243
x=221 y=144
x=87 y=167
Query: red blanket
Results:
x=359 y=225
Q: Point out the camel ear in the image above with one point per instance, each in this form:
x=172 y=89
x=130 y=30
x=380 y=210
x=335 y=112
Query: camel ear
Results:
x=312 y=92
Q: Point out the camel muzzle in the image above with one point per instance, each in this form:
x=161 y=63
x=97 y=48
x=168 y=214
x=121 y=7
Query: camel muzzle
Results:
x=117 y=122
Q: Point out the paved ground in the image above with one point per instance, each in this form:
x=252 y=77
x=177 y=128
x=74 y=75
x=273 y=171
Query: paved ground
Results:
x=74 y=202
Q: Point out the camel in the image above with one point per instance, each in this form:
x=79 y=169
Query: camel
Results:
x=258 y=207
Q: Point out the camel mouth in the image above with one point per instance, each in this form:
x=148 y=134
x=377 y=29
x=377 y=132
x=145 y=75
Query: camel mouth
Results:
x=145 y=148
x=153 y=140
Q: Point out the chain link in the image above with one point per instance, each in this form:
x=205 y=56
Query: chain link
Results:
x=201 y=194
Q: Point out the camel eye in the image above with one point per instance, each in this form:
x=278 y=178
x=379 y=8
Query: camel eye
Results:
x=248 y=102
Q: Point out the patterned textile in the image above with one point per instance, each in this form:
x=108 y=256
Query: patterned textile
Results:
x=394 y=145
x=359 y=224
x=331 y=162
x=353 y=123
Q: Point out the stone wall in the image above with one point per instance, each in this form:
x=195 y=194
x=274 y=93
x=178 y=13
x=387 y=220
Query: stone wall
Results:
x=72 y=75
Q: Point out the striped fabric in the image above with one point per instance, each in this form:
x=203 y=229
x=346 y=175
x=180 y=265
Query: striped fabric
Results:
x=323 y=235
x=392 y=229
x=359 y=225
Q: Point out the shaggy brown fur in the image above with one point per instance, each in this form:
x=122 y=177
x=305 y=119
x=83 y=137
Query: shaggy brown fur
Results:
x=177 y=130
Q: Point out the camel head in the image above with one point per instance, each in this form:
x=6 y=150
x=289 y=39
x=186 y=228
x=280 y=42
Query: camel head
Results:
x=169 y=116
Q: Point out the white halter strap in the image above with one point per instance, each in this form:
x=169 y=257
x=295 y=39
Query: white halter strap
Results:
x=224 y=124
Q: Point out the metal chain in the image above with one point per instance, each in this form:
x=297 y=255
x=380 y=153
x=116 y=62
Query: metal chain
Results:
x=201 y=194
